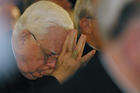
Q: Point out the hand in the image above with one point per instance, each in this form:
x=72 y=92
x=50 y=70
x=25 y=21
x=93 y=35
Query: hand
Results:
x=70 y=59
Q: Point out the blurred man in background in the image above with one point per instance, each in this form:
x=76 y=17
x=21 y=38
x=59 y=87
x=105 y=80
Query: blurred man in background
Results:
x=120 y=29
x=85 y=19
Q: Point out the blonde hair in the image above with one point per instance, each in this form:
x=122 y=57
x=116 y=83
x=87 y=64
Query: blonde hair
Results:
x=41 y=15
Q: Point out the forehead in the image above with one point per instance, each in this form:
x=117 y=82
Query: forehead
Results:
x=54 y=38
x=52 y=32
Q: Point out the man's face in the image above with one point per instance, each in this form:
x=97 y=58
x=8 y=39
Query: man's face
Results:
x=90 y=28
x=39 y=53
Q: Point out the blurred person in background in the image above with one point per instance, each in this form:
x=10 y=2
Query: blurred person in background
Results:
x=66 y=4
x=120 y=30
x=9 y=14
x=63 y=3
x=85 y=19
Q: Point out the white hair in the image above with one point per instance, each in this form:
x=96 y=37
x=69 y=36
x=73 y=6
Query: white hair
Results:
x=108 y=14
x=41 y=15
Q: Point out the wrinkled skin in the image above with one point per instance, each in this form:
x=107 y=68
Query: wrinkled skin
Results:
x=37 y=55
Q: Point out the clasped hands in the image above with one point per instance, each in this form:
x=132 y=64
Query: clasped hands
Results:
x=70 y=59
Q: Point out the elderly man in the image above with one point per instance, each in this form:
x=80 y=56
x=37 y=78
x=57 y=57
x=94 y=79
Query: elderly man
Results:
x=38 y=39
x=120 y=30
x=85 y=15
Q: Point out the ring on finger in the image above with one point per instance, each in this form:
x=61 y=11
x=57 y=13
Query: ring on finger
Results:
x=75 y=54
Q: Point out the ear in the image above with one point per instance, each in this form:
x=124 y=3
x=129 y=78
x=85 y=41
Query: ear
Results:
x=85 y=25
x=132 y=42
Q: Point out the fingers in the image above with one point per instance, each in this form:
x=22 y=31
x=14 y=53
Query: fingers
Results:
x=80 y=46
x=72 y=39
x=64 y=49
x=70 y=42
x=75 y=40
x=87 y=57
x=47 y=72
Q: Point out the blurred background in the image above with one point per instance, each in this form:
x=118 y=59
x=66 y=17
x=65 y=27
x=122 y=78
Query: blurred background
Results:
x=91 y=79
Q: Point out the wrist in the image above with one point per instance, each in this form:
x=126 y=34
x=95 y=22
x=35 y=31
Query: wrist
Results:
x=59 y=77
